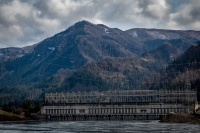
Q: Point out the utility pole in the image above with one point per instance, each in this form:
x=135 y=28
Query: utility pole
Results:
x=187 y=88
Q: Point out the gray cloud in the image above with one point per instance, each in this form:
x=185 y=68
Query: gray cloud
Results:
x=187 y=15
x=157 y=9
x=25 y=22
x=3 y=2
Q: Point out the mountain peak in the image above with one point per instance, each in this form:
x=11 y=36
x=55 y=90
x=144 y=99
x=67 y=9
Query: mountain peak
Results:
x=80 y=24
x=83 y=22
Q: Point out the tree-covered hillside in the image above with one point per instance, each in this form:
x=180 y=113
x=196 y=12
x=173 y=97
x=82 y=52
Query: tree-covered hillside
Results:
x=88 y=57
x=175 y=75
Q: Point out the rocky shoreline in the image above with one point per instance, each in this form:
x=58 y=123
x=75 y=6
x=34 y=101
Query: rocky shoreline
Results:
x=182 y=118
x=9 y=116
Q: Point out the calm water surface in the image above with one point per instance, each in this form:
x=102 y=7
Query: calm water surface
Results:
x=98 y=127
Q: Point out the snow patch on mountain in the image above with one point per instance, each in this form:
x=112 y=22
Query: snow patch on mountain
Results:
x=106 y=30
x=51 y=48
x=134 y=34
x=144 y=59
x=157 y=35
x=20 y=55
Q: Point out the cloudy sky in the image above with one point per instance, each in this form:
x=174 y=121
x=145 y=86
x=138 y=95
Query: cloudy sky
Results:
x=26 y=22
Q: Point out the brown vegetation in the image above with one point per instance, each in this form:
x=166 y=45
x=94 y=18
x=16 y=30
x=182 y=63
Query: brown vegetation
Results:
x=9 y=116
x=182 y=118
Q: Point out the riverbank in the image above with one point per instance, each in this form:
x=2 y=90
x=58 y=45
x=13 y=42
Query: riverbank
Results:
x=182 y=118
x=9 y=116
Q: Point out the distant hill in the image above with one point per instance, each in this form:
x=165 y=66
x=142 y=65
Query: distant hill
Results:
x=159 y=34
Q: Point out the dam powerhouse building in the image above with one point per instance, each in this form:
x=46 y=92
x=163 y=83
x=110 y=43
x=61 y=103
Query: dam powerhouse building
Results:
x=118 y=104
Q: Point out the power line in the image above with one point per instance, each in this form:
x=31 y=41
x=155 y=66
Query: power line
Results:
x=147 y=73
x=136 y=74
x=146 y=64
x=135 y=62
x=125 y=80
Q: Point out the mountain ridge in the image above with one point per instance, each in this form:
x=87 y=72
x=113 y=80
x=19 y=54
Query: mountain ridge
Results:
x=87 y=50
x=185 y=67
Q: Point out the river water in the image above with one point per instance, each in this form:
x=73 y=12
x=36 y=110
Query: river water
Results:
x=98 y=127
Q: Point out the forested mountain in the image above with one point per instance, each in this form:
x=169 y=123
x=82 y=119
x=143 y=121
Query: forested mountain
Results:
x=80 y=44
x=114 y=73
x=185 y=67
x=89 y=57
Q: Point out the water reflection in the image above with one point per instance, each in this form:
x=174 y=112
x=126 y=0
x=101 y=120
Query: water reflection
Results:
x=98 y=126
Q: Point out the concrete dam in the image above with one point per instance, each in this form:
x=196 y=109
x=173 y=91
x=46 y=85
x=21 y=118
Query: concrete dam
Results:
x=118 y=104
